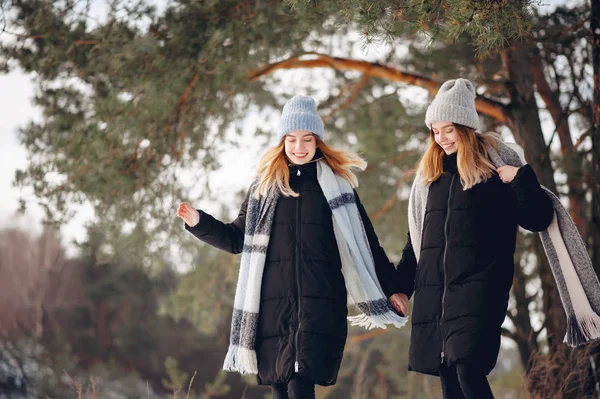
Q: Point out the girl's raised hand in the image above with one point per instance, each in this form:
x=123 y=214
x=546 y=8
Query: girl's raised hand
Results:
x=187 y=212
x=507 y=173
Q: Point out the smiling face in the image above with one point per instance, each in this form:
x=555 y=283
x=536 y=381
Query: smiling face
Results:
x=445 y=134
x=300 y=146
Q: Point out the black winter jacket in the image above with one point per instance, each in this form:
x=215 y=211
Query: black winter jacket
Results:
x=302 y=319
x=465 y=270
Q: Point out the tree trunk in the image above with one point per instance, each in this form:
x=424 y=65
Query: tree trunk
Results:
x=595 y=40
x=555 y=319
x=39 y=320
x=524 y=121
x=578 y=205
x=523 y=114
x=594 y=233
x=524 y=335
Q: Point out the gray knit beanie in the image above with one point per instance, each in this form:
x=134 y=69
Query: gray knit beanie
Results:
x=300 y=113
x=454 y=102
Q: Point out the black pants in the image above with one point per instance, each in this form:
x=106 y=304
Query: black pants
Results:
x=297 y=388
x=464 y=381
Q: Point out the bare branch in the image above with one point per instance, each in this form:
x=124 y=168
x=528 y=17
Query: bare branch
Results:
x=508 y=334
x=582 y=137
x=550 y=97
x=536 y=333
x=389 y=203
x=368 y=335
x=350 y=99
x=484 y=105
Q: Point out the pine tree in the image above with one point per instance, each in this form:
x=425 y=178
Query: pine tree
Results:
x=130 y=100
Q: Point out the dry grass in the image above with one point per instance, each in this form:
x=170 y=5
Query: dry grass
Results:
x=83 y=392
x=90 y=390
x=568 y=373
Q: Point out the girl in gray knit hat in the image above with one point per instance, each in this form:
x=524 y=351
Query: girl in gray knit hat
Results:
x=307 y=246
x=464 y=210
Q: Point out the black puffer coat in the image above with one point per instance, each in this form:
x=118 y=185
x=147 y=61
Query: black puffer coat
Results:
x=303 y=307
x=465 y=271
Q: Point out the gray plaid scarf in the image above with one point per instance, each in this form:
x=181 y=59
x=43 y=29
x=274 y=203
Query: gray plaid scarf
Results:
x=358 y=268
x=569 y=260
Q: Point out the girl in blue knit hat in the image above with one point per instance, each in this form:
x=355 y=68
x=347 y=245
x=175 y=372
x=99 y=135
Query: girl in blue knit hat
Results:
x=307 y=248
x=464 y=210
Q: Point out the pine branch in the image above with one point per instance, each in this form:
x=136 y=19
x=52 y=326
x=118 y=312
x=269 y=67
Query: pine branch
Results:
x=21 y=36
x=179 y=109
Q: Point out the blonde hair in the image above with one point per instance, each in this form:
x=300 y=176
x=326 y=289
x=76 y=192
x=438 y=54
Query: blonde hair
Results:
x=473 y=163
x=273 y=172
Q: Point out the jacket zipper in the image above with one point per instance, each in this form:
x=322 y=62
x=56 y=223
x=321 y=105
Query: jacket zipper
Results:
x=298 y=273
x=443 y=355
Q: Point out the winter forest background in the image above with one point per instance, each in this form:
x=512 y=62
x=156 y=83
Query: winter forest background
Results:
x=113 y=111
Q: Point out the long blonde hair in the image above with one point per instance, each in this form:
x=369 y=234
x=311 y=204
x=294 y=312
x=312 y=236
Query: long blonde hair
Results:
x=273 y=172
x=473 y=163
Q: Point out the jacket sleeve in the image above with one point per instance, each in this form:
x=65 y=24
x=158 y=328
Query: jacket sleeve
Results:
x=383 y=267
x=407 y=269
x=534 y=206
x=226 y=236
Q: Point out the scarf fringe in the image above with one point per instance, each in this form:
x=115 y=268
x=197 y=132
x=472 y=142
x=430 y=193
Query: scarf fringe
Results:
x=241 y=360
x=378 y=321
x=582 y=330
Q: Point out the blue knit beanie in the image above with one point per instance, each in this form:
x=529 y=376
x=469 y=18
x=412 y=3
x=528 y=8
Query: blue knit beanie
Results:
x=300 y=113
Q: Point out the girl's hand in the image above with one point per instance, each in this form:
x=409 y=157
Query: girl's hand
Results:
x=187 y=212
x=507 y=173
x=400 y=303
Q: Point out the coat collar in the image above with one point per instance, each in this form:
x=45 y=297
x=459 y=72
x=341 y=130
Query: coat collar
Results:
x=307 y=169
x=451 y=163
